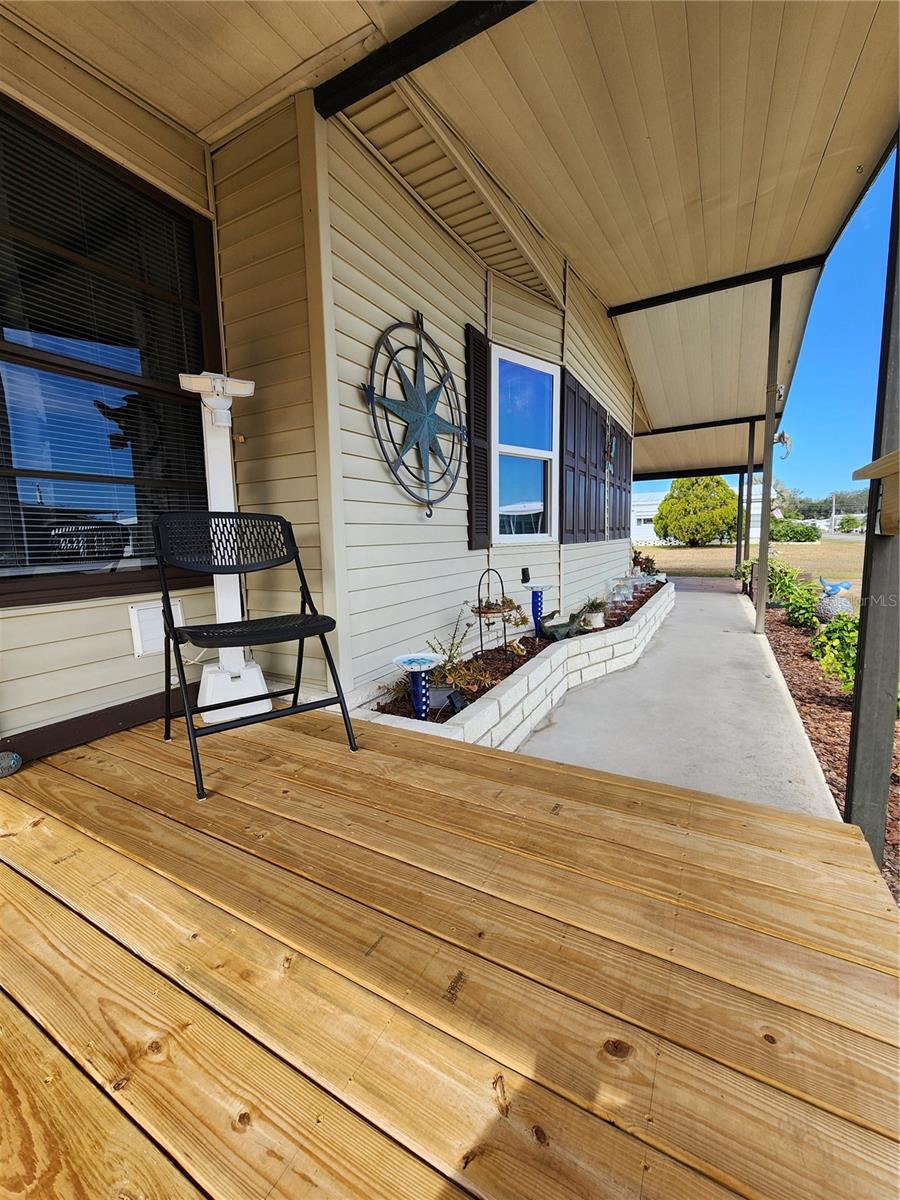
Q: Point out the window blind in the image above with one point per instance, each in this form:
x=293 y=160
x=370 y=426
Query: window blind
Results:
x=101 y=306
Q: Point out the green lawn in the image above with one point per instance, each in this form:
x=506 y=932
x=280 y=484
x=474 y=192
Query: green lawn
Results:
x=834 y=559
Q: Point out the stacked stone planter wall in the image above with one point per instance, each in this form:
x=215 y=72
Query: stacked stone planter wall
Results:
x=505 y=715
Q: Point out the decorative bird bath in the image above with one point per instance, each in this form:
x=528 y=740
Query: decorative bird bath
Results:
x=417 y=667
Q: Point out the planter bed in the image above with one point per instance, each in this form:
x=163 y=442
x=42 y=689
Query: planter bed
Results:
x=826 y=712
x=504 y=715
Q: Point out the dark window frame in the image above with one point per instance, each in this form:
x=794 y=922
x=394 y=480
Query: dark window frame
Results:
x=59 y=586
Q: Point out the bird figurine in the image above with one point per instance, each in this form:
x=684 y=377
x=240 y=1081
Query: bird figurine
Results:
x=831 y=602
x=832 y=589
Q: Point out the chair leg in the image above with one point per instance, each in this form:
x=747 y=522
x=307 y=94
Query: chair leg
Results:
x=340 y=693
x=189 y=722
x=167 y=736
x=296 y=696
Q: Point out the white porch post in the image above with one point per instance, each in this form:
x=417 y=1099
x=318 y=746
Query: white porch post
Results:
x=234 y=675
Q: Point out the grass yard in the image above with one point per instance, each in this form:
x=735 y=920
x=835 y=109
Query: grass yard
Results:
x=834 y=558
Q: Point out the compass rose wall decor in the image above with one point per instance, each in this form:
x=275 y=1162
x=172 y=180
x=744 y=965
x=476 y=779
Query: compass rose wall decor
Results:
x=416 y=413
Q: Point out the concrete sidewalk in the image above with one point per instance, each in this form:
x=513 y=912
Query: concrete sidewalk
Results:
x=706 y=707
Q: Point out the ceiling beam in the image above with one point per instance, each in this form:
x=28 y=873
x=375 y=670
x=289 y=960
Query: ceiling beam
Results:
x=692 y=472
x=434 y=37
x=718 y=285
x=702 y=425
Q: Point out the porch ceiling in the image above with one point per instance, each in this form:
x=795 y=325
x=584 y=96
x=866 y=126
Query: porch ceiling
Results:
x=666 y=146
x=199 y=62
x=704 y=359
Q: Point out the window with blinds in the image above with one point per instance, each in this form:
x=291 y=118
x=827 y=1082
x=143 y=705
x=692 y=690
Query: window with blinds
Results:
x=104 y=298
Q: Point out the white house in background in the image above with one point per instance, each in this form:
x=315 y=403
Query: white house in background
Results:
x=645 y=505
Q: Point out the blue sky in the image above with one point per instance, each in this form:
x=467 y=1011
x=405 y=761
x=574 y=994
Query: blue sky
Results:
x=831 y=406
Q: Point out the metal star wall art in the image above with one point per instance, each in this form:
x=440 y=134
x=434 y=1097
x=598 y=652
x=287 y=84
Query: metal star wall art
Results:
x=426 y=402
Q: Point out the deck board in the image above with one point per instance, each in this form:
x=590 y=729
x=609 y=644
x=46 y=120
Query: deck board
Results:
x=507 y=1003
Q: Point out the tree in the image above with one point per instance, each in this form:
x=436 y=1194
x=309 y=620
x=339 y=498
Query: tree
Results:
x=697 y=511
x=848 y=524
x=789 y=500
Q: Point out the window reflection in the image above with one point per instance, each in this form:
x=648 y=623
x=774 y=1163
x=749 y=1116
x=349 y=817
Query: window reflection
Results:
x=525 y=398
x=523 y=495
x=53 y=424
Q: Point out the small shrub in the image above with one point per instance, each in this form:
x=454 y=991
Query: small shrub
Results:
x=834 y=646
x=800 y=606
x=784 y=530
x=849 y=524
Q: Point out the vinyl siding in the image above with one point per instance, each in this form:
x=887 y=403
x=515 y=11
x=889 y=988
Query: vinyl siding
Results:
x=594 y=353
x=408 y=575
x=524 y=321
x=259 y=217
x=84 y=105
x=64 y=660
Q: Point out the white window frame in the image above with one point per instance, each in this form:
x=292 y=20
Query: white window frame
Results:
x=551 y=457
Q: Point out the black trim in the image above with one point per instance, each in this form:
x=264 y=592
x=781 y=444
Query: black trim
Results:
x=434 y=37
x=57 y=587
x=693 y=473
x=45 y=360
x=718 y=285
x=63 y=735
x=702 y=425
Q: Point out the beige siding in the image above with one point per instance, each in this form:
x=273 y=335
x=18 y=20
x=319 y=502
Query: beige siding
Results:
x=64 y=660
x=407 y=575
x=588 y=570
x=259 y=217
x=594 y=353
x=84 y=105
x=523 y=321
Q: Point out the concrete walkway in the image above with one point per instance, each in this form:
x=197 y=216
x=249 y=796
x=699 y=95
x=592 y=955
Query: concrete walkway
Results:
x=706 y=707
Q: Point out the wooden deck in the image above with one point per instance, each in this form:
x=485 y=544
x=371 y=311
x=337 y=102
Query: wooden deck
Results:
x=429 y=971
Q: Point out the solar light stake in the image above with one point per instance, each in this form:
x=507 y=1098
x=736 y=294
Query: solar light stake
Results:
x=537 y=604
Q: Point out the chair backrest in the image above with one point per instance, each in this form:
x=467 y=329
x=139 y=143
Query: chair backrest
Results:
x=224 y=543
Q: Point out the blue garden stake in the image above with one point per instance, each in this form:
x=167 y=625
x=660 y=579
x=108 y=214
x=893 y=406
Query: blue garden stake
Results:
x=418 y=690
x=417 y=667
x=537 y=605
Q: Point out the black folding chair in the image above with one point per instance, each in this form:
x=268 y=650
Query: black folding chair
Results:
x=227 y=543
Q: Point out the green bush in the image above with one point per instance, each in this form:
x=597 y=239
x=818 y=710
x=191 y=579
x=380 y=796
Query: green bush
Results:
x=849 y=524
x=784 y=530
x=800 y=605
x=835 y=648
x=782 y=576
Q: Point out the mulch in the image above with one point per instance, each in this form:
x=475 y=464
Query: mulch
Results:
x=500 y=664
x=826 y=713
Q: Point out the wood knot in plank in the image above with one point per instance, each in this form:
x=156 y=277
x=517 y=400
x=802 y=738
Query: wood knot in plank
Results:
x=500 y=1097
x=616 y=1048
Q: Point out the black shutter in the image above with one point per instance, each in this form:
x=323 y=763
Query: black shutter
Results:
x=583 y=443
x=620 y=484
x=478 y=409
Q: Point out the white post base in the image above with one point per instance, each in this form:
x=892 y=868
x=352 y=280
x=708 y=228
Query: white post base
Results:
x=218 y=686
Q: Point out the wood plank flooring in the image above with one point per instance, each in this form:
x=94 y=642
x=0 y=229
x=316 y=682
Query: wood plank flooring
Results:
x=430 y=970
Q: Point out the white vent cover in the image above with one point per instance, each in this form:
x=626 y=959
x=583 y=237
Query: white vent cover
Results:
x=147 y=625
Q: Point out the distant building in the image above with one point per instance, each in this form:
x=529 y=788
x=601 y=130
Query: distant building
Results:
x=645 y=505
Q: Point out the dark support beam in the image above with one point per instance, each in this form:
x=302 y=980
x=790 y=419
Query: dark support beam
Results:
x=434 y=37
x=692 y=472
x=878 y=647
x=765 y=511
x=719 y=285
x=700 y=425
x=751 y=442
x=739 y=531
